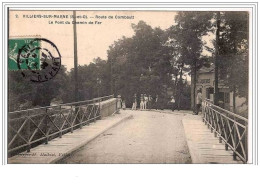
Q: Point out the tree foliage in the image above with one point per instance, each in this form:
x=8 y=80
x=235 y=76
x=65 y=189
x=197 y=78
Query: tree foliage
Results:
x=24 y=94
x=233 y=54
x=141 y=64
x=93 y=79
x=188 y=45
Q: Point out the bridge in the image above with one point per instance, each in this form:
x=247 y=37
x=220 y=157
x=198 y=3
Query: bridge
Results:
x=96 y=131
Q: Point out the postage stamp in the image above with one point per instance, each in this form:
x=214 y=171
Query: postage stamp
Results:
x=38 y=59
x=15 y=45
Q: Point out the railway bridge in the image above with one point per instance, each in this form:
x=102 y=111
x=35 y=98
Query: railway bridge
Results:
x=96 y=131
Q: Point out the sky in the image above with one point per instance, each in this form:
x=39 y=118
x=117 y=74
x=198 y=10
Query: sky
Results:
x=93 y=39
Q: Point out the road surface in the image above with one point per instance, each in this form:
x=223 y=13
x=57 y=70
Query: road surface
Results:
x=150 y=137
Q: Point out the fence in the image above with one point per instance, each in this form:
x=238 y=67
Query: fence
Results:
x=232 y=129
x=29 y=128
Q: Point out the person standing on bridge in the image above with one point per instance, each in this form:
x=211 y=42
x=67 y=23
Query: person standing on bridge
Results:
x=150 y=99
x=119 y=102
x=134 y=103
x=123 y=105
x=141 y=102
x=198 y=102
x=145 y=101
x=172 y=103
x=156 y=102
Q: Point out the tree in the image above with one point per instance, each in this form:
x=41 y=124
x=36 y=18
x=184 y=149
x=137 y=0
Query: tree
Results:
x=24 y=94
x=94 y=80
x=233 y=47
x=188 y=43
x=140 y=64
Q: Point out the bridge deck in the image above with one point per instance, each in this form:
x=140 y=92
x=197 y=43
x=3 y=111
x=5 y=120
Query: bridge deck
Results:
x=158 y=127
x=203 y=146
x=151 y=137
x=59 y=148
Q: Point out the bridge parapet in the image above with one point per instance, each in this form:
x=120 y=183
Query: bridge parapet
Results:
x=108 y=107
x=29 y=128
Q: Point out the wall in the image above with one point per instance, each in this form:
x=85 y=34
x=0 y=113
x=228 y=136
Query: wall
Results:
x=108 y=107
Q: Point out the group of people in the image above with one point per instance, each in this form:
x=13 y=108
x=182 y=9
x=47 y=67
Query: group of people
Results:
x=147 y=102
x=120 y=102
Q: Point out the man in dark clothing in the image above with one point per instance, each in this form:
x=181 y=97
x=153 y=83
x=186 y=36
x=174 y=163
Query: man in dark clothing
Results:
x=173 y=103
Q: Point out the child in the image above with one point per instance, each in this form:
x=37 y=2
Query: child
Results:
x=123 y=105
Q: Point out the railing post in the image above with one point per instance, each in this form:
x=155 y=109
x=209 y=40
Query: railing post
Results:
x=46 y=125
x=71 y=128
x=94 y=107
x=78 y=116
x=60 y=134
x=235 y=139
x=116 y=105
x=212 y=121
x=203 y=112
x=246 y=143
x=28 y=131
x=226 y=146
x=234 y=156
x=235 y=143
x=28 y=148
x=99 y=107
x=87 y=114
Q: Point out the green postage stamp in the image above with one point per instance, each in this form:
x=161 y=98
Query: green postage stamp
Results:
x=16 y=45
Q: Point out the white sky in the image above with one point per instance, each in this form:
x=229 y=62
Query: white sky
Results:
x=93 y=40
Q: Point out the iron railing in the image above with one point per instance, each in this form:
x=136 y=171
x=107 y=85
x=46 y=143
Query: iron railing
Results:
x=231 y=128
x=31 y=127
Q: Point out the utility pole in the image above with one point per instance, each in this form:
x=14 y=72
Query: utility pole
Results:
x=76 y=92
x=217 y=61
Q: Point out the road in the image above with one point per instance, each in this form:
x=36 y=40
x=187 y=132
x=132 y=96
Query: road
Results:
x=150 y=137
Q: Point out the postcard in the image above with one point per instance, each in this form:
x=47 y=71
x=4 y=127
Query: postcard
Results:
x=128 y=86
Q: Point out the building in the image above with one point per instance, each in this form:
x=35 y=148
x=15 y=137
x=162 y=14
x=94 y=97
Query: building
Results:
x=206 y=81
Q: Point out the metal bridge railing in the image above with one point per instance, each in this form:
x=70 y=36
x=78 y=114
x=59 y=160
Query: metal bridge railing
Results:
x=31 y=127
x=231 y=128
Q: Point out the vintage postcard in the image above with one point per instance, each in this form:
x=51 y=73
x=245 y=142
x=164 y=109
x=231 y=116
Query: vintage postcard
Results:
x=152 y=86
